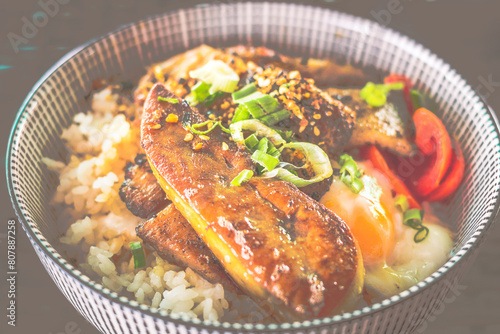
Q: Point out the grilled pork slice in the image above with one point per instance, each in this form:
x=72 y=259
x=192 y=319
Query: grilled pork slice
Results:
x=170 y=234
x=285 y=250
x=325 y=72
x=315 y=116
x=140 y=190
x=389 y=126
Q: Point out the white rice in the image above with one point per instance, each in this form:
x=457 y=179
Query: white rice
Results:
x=101 y=228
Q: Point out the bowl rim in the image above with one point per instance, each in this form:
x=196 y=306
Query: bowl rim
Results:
x=126 y=302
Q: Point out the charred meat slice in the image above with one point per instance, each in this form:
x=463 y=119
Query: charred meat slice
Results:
x=170 y=234
x=282 y=248
x=389 y=126
x=316 y=117
x=324 y=72
x=140 y=190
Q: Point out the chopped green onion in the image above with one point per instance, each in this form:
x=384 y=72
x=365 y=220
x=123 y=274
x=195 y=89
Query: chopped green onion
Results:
x=251 y=141
x=200 y=93
x=269 y=104
x=254 y=109
x=138 y=254
x=273 y=151
x=258 y=128
x=260 y=106
x=355 y=186
x=350 y=174
x=265 y=160
x=376 y=95
x=217 y=73
x=286 y=135
x=240 y=114
x=275 y=117
x=263 y=145
x=413 y=218
x=242 y=177
x=402 y=203
x=169 y=100
x=211 y=98
x=314 y=156
x=252 y=97
x=246 y=90
x=194 y=128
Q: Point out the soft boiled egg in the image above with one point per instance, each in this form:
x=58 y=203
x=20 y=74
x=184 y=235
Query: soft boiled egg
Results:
x=368 y=214
x=393 y=261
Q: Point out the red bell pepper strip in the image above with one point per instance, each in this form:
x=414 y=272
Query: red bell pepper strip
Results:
x=392 y=78
x=453 y=177
x=373 y=154
x=434 y=143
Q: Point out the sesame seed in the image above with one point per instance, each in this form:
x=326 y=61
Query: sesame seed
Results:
x=156 y=126
x=328 y=113
x=212 y=116
x=225 y=147
x=316 y=131
x=294 y=75
x=283 y=89
x=198 y=146
x=203 y=137
x=172 y=118
x=189 y=136
x=317 y=116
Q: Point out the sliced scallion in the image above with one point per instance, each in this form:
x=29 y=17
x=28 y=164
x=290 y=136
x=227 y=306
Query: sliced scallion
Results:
x=265 y=160
x=138 y=254
x=217 y=73
x=169 y=100
x=211 y=126
x=414 y=219
x=256 y=127
x=245 y=91
x=263 y=145
x=242 y=177
x=402 y=203
x=376 y=95
x=269 y=104
x=275 y=117
x=251 y=141
x=314 y=156
x=254 y=109
x=350 y=174
x=240 y=114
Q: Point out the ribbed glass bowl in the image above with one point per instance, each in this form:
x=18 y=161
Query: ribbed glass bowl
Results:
x=291 y=29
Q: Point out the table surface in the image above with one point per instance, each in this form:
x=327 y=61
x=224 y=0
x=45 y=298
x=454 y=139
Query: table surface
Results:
x=465 y=33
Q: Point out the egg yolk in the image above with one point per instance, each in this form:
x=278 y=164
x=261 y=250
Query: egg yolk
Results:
x=367 y=216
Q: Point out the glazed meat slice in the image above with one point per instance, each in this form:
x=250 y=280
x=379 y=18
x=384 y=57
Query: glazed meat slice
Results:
x=316 y=117
x=389 y=126
x=282 y=248
x=325 y=72
x=170 y=234
x=140 y=190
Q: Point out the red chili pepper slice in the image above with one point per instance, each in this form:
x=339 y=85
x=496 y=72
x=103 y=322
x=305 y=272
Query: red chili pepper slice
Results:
x=434 y=143
x=373 y=154
x=453 y=177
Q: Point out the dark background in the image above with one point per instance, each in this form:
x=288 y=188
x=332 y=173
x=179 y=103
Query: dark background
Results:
x=465 y=33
